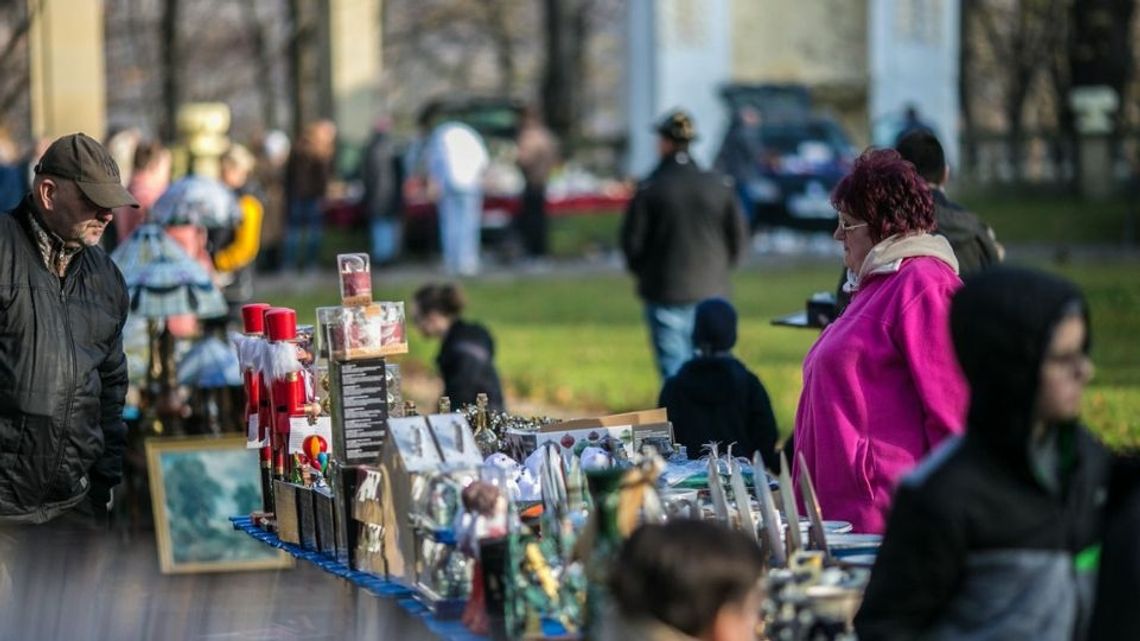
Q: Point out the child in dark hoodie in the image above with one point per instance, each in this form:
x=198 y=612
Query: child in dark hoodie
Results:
x=994 y=535
x=713 y=397
x=466 y=356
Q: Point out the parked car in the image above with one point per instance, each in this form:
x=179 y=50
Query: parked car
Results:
x=785 y=159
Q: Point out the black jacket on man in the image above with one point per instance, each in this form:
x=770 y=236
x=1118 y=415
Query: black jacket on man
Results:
x=467 y=364
x=63 y=375
x=972 y=240
x=994 y=535
x=716 y=398
x=682 y=233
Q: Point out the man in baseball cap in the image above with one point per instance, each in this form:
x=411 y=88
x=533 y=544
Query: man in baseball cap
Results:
x=65 y=376
x=681 y=236
x=677 y=127
x=75 y=189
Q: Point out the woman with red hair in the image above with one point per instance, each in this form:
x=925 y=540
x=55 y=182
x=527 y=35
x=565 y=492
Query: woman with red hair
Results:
x=881 y=385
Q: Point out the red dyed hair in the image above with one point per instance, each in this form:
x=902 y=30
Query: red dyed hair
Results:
x=887 y=193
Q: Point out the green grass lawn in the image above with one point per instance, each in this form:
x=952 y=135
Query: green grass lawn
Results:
x=1018 y=218
x=1052 y=219
x=579 y=341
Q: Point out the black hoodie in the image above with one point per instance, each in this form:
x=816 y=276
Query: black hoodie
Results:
x=467 y=364
x=716 y=398
x=979 y=545
x=1115 y=617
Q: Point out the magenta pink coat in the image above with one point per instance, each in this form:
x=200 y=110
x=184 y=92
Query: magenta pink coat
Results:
x=882 y=387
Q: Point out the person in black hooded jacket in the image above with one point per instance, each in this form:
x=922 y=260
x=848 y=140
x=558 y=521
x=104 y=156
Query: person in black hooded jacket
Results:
x=466 y=357
x=1114 y=617
x=714 y=397
x=995 y=535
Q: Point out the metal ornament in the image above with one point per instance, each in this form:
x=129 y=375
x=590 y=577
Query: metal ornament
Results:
x=816 y=533
x=740 y=495
x=791 y=512
x=716 y=488
x=771 y=532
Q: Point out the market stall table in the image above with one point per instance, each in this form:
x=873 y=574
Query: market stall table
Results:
x=450 y=630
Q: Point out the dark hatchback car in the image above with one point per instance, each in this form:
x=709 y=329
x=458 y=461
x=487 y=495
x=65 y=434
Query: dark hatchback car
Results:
x=785 y=160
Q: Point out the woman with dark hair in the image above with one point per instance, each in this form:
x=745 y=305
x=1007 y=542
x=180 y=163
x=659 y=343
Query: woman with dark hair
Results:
x=466 y=357
x=881 y=385
x=686 y=580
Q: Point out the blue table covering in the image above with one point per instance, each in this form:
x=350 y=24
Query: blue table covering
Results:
x=450 y=630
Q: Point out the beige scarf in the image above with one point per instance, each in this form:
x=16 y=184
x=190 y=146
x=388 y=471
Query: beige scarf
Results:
x=887 y=256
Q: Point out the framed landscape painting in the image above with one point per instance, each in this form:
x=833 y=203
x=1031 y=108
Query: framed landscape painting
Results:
x=196 y=485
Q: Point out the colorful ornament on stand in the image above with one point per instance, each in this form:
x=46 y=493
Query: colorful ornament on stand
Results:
x=314 y=445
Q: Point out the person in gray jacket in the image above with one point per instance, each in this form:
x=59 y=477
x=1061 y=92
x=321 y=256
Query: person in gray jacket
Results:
x=995 y=535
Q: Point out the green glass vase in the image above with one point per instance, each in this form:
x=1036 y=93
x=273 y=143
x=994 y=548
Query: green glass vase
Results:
x=605 y=491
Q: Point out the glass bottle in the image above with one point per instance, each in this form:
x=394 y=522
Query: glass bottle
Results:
x=444 y=404
x=485 y=437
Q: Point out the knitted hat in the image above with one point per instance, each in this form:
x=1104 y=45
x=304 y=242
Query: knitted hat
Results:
x=714 y=328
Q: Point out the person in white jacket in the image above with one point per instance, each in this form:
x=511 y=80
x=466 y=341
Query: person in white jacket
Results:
x=456 y=162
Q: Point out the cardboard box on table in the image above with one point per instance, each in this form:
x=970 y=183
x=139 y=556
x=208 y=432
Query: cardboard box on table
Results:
x=308 y=502
x=631 y=428
x=286 y=512
x=368 y=518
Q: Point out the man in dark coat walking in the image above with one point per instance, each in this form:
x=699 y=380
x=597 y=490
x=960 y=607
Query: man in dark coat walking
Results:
x=681 y=236
x=63 y=375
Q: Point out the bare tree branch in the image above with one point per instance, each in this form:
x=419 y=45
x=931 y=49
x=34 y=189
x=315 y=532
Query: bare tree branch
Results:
x=19 y=32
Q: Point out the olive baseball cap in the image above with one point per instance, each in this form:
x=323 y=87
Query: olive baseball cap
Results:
x=81 y=159
x=677 y=126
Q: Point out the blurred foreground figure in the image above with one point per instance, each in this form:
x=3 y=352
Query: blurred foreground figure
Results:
x=1115 y=617
x=995 y=535
x=63 y=375
x=686 y=580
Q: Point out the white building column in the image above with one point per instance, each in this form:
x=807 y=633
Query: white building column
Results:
x=678 y=54
x=913 y=60
x=67 y=78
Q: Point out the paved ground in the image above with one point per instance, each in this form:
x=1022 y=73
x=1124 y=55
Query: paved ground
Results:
x=60 y=583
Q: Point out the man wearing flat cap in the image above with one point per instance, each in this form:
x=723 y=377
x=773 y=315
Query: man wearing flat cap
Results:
x=63 y=375
x=682 y=235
